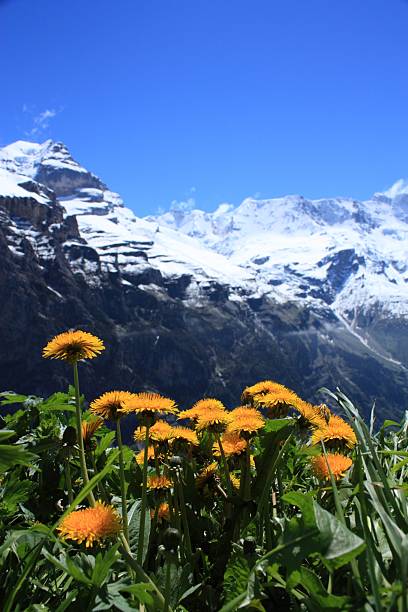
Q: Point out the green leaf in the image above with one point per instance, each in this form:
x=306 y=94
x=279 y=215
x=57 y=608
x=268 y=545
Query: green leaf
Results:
x=14 y=454
x=343 y=545
x=103 y=563
x=236 y=576
x=104 y=443
x=5 y=434
x=15 y=492
x=66 y=603
x=141 y=590
x=12 y=398
x=134 y=528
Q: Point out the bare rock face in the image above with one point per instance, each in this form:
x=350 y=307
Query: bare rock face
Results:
x=185 y=323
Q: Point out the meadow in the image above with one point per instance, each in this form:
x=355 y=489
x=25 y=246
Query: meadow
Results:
x=277 y=504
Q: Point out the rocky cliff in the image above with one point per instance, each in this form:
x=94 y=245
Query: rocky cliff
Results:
x=177 y=315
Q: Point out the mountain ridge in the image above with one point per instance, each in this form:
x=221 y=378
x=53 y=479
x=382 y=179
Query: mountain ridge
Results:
x=271 y=268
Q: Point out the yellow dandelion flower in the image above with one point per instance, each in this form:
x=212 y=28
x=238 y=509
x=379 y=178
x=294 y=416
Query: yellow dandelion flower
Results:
x=232 y=444
x=72 y=346
x=235 y=481
x=163 y=513
x=89 y=428
x=91 y=525
x=214 y=420
x=335 y=433
x=246 y=424
x=150 y=455
x=207 y=475
x=202 y=406
x=264 y=387
x=313 y=414
x=111 y=404
x=159 y=483
x=159 y=432
x=184 y=434
x=337 y=463
x=150 y=403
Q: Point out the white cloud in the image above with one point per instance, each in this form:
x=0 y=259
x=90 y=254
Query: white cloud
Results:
x=40 y=121
x=187 y=204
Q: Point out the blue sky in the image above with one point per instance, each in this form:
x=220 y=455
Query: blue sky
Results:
x=213 y=100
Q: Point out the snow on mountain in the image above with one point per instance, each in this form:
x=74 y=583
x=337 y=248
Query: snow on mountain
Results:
x=338 y=253
x=122 y=240
x=347 y=254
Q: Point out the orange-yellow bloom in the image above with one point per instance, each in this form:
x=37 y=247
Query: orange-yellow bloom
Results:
x=163 y=513
x=245 y=424
x=158 y=483
x=272 y=396
x=200 y=407
x=336 y=432
x=232 y=444
x=317 y=416
x=110 y=405
x=89 y=428
x=72 y=346
x=150 y=456
x=91 y=525
x=207 y=475
x=184 y=434
x=150 y=403
x=215 y=420
x=158 y=432
x=337 y=463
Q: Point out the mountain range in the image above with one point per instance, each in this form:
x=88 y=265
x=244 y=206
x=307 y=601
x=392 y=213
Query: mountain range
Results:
x=190 y=303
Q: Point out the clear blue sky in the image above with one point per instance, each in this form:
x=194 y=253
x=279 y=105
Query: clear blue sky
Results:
x=214 y=99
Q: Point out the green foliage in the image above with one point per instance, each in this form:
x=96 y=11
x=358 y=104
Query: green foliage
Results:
x=296 y=544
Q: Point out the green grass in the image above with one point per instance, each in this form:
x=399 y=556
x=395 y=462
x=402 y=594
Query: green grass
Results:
x=282 y=541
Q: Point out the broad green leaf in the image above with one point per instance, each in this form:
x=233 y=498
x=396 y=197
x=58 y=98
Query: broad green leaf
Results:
x=14 y=454
x=15 y=492
x=236 y=576
x=103 y=563
x=134 y=528
x=12 y=398
x=343 y=545
x=141 y=590
x=5 y=434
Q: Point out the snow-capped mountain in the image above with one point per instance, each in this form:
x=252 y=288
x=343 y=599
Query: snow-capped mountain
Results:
x=310 y=292
x=343 y=253
x=122 y=240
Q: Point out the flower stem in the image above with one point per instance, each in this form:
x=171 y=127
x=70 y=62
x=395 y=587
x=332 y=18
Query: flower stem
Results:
x=144 y=500
x=167 y=585
x=68 y=480
x=180 y=493
x=82 y=458
x=225 y=465
x=122 y=480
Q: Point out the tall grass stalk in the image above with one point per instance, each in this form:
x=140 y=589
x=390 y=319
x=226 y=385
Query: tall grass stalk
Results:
x=122 y=480
x=144 y=499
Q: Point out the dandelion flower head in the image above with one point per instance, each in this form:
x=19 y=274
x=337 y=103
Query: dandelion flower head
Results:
x=150 y=403
x=232 y=444
x=72 y=346
x=184 y=434
x=111 y=404
x=158 y=483
x=337 y=463
x=159 y=432
x=91 y=525
x=335 y=433
x=89 y=428
x=203 y=406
